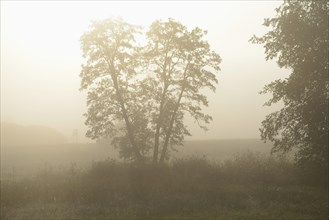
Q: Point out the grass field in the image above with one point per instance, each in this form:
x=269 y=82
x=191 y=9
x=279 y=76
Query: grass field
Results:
x=246 y=186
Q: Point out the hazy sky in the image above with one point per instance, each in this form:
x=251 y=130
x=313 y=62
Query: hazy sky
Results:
x=41 y=59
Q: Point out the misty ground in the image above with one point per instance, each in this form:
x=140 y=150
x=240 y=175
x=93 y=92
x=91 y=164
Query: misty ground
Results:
x=223 y=179
x=23 y=160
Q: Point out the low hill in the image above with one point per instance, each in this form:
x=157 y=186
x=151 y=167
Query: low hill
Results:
x=18 y=135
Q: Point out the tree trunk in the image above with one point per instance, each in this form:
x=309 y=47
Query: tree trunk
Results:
x=128 y=124
x=130 y=131
x=172 y=120
x=159 y=121
x=158 y=127
x=171 y=125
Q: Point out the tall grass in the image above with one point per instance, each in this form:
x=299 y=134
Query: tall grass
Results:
x=250 y=185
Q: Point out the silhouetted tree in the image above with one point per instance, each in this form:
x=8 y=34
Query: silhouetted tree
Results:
x=299 y=39
x=107 y=75
x=181 y=64
x=137 y=96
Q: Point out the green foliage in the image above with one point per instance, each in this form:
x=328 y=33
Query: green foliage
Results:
x=138 y=95
x=299 y=40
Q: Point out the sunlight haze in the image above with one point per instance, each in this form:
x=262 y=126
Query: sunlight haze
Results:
x=41 y=60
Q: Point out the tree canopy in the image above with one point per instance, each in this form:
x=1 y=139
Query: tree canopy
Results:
x=298 y=39
x=138 y=95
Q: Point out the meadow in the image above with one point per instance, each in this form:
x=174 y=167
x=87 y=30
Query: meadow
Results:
x=234 y=181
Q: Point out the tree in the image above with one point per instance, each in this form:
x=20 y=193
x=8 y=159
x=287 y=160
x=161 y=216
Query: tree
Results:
x=112 y=98
x=182 y=64
x=299 y=41
x=138 y=96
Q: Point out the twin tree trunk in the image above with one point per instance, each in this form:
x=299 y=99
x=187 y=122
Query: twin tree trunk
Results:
x=158 y=127
x=160 y=119
x=165 y=145
x=171 y=123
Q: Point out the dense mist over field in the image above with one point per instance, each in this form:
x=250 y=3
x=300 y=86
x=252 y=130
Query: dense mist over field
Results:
x=44 y=88
x=26 y=149
x=164 y=110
